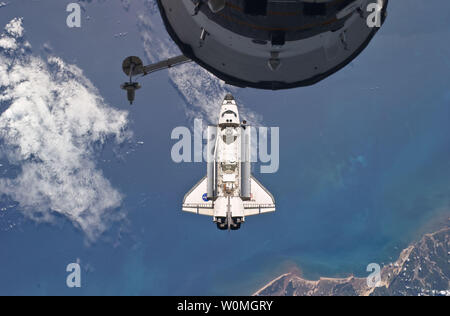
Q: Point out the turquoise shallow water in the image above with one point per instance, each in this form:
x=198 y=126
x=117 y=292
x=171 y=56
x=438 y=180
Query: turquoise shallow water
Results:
x=364 y=171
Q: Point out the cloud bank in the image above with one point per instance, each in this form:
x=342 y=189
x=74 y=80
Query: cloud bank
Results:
x=52 y=120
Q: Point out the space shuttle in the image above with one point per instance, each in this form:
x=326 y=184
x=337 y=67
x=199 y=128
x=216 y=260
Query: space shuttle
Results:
x=229 y=193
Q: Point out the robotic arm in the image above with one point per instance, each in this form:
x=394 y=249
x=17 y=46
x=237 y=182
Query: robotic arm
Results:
x=132 y=66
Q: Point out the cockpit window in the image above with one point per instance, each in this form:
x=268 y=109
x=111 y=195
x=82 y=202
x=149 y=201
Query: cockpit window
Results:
x=229 y=112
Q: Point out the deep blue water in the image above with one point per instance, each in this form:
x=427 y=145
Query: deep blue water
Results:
x=364 y=167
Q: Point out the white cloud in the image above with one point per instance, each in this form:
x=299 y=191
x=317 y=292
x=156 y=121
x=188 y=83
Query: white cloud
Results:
x=52 y=119
x=15 y=28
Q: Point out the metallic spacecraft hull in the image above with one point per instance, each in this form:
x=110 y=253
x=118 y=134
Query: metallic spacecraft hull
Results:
x=271 y=44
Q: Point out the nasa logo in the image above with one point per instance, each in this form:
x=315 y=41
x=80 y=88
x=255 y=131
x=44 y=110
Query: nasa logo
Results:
x=205 y=197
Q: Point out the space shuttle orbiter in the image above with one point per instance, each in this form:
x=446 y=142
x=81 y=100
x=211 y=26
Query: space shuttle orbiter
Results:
x=229 y=193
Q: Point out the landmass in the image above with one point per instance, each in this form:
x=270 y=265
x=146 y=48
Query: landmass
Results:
x=422 y=269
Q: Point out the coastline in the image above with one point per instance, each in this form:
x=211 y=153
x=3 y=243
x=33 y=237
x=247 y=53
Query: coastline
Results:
x=413 y=273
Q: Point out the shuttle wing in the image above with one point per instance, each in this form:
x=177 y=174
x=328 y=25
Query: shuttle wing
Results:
x=195 y=200
x=261 y=200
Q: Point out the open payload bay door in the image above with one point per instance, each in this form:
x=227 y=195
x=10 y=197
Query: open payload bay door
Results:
x=261 y=200
x=196 y=200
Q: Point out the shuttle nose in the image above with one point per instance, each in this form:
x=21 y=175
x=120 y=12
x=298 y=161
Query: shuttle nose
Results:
x=229 y=112
x=229 y=97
